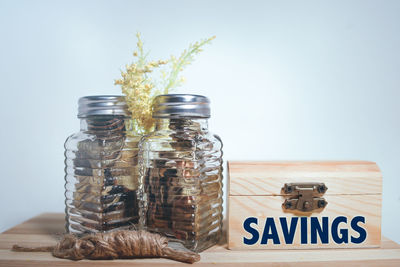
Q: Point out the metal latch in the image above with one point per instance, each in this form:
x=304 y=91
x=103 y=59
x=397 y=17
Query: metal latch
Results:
x=304 y=196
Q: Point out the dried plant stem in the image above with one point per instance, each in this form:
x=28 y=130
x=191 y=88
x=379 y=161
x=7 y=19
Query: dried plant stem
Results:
x=140 y=84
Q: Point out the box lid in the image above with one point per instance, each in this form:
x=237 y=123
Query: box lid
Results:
x=268 y=177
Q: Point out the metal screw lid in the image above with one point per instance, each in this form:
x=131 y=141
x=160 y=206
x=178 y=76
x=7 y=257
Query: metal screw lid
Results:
x=102 y=105
x=181 y=106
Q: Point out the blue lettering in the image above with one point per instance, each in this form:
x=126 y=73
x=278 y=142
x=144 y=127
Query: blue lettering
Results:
x=289 y=234
x=322 y=232
x=360 y=230
x=318 y=230
x=303 y=230
x=344 y=238
x=270 y=225
x=247 y=226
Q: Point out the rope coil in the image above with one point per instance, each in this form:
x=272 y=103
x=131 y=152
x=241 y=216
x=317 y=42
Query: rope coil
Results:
x=123 y=244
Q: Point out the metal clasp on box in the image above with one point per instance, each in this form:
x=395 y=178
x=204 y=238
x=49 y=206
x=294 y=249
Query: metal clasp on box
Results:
x=304 y=197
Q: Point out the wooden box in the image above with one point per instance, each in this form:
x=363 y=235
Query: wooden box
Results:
x=303 y=205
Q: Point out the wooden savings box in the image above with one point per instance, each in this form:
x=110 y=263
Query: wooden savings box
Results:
x=298 y=205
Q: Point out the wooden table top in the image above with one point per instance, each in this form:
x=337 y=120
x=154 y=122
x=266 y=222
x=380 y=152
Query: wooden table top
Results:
x=44 y=229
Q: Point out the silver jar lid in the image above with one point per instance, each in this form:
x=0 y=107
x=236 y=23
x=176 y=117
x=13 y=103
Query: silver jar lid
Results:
x=181 y=105
x=102 y=105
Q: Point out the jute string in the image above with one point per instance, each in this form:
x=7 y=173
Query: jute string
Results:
x=114 y=245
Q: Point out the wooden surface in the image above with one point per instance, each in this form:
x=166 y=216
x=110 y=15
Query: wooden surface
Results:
x=44 y=230
x=354 y=189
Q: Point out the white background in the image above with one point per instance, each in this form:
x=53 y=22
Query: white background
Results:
x=288 y=80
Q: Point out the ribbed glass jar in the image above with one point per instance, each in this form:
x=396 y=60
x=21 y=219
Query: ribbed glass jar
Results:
x=101 y=181
x=181 y=172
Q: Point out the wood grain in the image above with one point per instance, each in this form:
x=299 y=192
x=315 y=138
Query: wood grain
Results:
x=267 y=178
x=47 y=227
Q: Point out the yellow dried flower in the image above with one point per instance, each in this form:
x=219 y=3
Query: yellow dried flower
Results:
x=140 y=91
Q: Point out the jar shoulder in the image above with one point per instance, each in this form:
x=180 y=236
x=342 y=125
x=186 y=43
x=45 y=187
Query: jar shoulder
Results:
x=167 y=136
x=73 y=141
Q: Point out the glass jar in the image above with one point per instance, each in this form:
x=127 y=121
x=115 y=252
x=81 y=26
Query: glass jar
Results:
x=181 y=172
x=101 y=180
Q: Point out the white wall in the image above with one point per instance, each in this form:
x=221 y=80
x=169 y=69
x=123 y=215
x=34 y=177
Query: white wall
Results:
x=287 y=80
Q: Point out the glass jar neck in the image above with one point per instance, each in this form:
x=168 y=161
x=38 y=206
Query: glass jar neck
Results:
x=108 y=123
x=185 y=124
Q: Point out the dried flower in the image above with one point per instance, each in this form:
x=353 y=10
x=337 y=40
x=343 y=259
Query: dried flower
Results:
x=140 y=87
